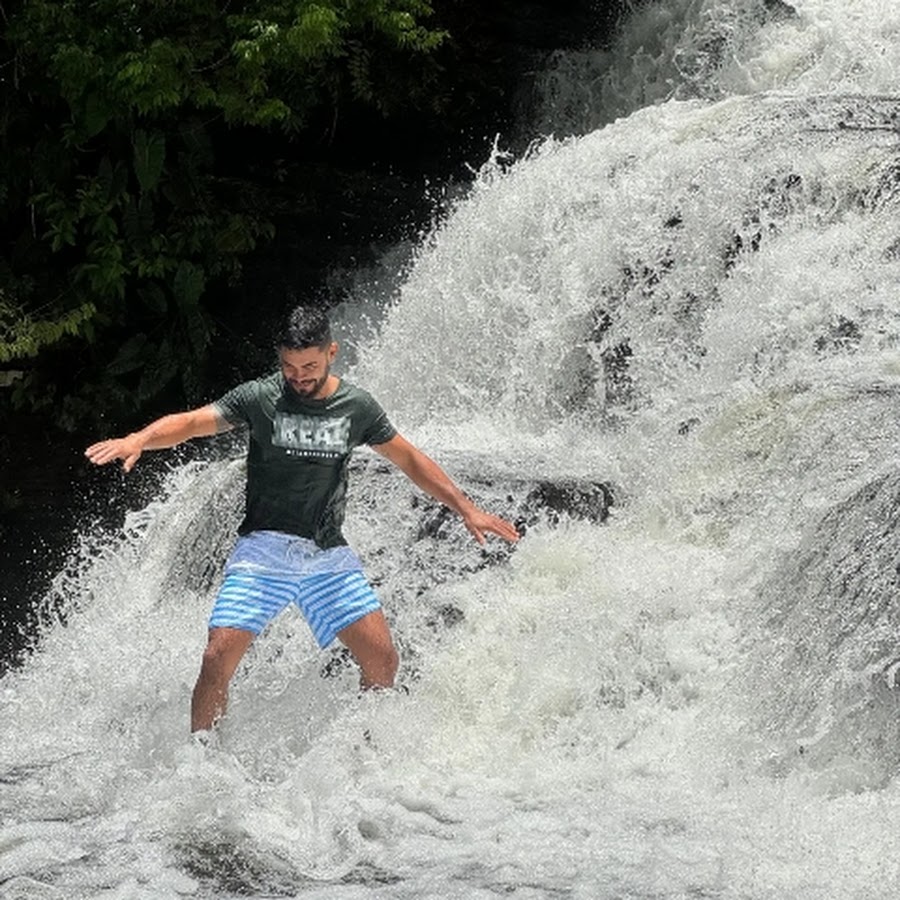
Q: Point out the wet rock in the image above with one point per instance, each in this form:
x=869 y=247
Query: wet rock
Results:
x=436 y=520
x=445 y=616
x=596 y=368
x=843 y=334
x=779 y=11
x=619 y=383
x=339 y=660
x=829 y=619
x=586 y=500
x=676 y=220
x=526 y=504
x=582 y=376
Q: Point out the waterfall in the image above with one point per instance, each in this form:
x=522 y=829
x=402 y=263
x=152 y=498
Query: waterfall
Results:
x=687 y=296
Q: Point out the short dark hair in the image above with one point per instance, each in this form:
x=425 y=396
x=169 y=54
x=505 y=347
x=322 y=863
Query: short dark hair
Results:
x=304 y=326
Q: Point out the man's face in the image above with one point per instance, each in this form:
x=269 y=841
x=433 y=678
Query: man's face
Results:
x=307 y=370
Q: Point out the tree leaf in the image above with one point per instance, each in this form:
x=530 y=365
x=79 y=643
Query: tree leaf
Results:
x=188 y=284
x=154 y=298
x=131 y=356
x=95 y=116
x=149 y=158
x=161 y=367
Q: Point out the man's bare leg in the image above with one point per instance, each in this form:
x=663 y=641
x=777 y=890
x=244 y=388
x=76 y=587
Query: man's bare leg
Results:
x=369 y=640
x=224 y=650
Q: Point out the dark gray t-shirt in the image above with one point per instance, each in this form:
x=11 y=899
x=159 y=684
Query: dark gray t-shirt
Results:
x=299 y=453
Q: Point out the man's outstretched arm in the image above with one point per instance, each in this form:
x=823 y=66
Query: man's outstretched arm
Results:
x=168 y=431
x=431 y=478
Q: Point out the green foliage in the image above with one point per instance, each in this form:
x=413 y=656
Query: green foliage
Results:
x=149 y=157
x=120 y=225
x=22 y=337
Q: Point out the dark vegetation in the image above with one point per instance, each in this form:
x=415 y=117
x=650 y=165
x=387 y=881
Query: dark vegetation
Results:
x=153 y=151
x=170 y=170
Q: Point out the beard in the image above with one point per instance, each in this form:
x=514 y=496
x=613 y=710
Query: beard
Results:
x=310 y=388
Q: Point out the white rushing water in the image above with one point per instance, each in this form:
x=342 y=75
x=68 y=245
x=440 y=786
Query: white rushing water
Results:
x=696 y=302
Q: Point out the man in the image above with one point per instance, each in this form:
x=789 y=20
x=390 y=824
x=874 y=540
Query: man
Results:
x=304 y=422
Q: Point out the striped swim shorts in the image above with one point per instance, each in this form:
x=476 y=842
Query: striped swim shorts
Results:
x=268 y=571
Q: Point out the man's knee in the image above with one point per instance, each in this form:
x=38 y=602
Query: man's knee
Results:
x=369 y=640
x=224 y=650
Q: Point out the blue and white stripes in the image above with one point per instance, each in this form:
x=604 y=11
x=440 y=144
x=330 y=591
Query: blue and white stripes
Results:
x=268 y=571
x=329 y=602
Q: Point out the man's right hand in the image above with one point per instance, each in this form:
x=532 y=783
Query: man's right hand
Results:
x=128 y=449
x=165 y=432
